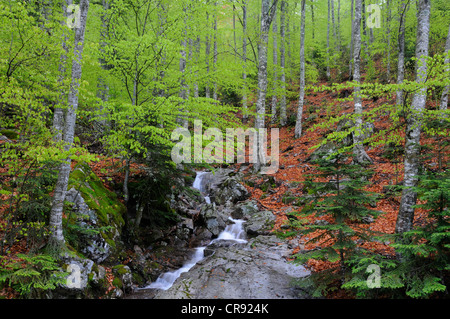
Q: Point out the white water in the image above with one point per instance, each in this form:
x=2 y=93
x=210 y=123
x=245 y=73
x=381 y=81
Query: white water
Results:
x=198 y=185
x=234 y=231
x=166 y=280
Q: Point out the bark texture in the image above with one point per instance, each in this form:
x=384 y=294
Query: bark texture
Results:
x=444 y=97
x=401 y=50
x=414 y=122
x=359 y=154
x=298 y=123
x=283 y=116
x=267 y=13
x=56 y=236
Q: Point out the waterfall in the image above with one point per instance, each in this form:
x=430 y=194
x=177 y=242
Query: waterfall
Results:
x=200 y=185
x=166 y=280
x=234 y=231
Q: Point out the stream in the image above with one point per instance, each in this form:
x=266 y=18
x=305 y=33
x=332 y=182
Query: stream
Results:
x=243 y=261
x=233 y=231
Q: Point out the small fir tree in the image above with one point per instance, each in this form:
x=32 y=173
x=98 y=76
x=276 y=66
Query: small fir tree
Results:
x=337 y=193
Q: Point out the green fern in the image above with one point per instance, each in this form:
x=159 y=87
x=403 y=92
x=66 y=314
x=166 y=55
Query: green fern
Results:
x=31 y=274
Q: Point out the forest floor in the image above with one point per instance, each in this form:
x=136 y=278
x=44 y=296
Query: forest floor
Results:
x=294 y=167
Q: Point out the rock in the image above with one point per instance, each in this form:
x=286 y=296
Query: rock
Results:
x=223 y=188
x=123 y=274
x=244 y=209
x=213 y=219
x=96 y=221
x=259 y=223
x=90 y=240
x=256 y=270
x=323 y=151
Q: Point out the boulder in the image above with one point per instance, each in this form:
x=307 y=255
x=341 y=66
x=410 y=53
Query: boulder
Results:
x=90 y=240
x=212 y=219
x=259 y=223
x=95 y=216
x=228 y=190
x=255 y=270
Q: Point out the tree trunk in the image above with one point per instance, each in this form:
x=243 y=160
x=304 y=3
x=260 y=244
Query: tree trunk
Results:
x=215 y=52
x=312 y=19
x=388 y=31
x=298 y=123
x=58 y=114
x=328 y=43
x=244 y=60
x=444 y=97
x=267 y=13
x=102 y=85
x=351 y=42
x=283 y=116
x=413 y=124
x=182 y=66
x=364 y=27
x=359 y=153
x=207 y=51
x=401 y=49
x=56 y=240
x=275 y=73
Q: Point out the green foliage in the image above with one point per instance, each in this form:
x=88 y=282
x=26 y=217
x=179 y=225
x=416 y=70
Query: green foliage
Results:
x=335 y=192
x=31 y=275
x=28 y=204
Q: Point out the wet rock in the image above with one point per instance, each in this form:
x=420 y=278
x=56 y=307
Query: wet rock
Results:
x=91 y=242
x=123 y=278
x=213 y=219
x=259 y=223
x=255 y=270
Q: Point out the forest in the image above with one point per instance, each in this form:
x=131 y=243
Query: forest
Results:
x=99 y=99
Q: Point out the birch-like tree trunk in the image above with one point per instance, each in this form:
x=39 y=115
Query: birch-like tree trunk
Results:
x=275 y=73
x=207 y=52
x=183 y=94
x=298 y=123
x=267 y=13
x=328 y=43
x=359 y=154
x=444 y=96
x=364 y=27
x=312 y=20
x=58 y=114
x=414 y=122
x=283 y=116
x=56 y=240
x=102 y=85
x=215 y=52
x=388 y=31
x=244 y=61
x=401 y=50
x=350 y=66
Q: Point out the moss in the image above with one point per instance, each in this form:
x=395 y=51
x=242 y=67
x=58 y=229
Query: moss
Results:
x=9 y=134
x=109 y=209
x=117 y=283
x=137 y=279
x=120 y=269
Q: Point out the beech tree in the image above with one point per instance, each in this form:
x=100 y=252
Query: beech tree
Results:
x=414 y=122
x=56 y=240
x=444 y=96
x=267 y=13
x=298 y=123
x=359 y=154
x=403 y=7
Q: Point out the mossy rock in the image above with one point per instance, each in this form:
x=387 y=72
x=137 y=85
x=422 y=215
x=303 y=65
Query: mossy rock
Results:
x=107 y=207
x=105 y=202
x=11 y=134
